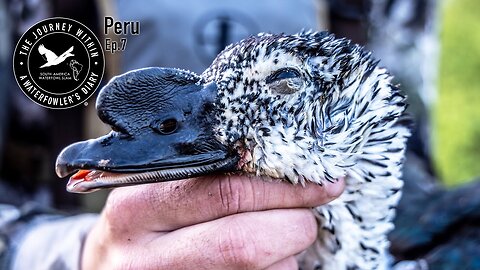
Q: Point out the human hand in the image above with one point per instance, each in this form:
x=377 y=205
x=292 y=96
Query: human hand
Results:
x=214 y=222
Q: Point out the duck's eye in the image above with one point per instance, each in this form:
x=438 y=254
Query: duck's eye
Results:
x=285 y=81
x=281 y=74
x=166 y=127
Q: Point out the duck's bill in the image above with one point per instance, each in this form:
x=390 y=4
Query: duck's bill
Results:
x=85 y=181
x=115 y=161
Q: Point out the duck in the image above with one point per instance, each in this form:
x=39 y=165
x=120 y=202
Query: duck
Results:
x=52 y=58
x=307 y=107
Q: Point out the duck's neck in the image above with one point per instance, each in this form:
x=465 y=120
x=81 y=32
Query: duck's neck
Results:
x=353 y=228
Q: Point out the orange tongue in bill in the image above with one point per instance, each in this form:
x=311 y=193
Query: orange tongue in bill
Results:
x=80 y=175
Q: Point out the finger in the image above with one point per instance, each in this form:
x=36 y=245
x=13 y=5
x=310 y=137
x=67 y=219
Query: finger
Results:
x=289 y=263
x=171 y=205
x=253 y=240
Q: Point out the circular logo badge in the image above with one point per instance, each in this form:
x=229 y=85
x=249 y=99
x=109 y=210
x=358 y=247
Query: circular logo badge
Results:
x=58 y=63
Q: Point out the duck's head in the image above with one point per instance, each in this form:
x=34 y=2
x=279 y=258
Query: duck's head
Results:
x=298 y=107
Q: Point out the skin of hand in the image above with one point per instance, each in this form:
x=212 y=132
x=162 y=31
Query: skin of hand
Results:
x=214 y=222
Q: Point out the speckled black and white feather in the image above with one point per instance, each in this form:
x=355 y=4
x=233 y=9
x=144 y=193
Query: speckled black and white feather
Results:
x=335 y=114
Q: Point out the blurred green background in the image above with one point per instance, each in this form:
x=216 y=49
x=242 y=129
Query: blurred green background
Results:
x=457 y=112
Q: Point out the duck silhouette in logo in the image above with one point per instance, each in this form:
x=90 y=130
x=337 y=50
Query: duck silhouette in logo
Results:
x=51 y=57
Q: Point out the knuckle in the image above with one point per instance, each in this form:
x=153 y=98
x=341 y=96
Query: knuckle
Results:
x=118 y=214
x=112 y=217
x=231 y=193
x=235 y=250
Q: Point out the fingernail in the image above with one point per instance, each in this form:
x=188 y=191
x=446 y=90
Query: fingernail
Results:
x=334 y=190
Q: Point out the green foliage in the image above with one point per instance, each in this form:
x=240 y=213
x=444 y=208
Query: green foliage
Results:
x=457 y=113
